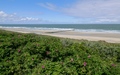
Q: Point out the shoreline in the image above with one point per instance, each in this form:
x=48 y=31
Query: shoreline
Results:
x=90 y=36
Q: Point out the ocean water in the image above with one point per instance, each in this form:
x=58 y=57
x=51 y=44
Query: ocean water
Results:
x=113 y=28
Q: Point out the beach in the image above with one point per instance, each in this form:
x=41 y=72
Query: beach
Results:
x=24 y=53
x=91 y=36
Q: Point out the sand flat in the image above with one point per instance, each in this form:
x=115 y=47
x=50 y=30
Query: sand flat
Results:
x=91 y=36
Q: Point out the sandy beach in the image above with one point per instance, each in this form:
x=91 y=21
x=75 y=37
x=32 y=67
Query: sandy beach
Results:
x=91 y=36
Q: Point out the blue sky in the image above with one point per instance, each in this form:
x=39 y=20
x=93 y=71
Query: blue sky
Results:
x=59 y=11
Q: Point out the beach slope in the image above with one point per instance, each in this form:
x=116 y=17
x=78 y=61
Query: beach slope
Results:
x=91 y=36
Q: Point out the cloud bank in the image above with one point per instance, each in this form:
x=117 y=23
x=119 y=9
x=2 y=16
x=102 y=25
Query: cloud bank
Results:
x=101 y=10
x=13 y=18
x=95 y=8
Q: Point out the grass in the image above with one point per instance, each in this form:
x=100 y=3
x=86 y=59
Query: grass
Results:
x=31 y=54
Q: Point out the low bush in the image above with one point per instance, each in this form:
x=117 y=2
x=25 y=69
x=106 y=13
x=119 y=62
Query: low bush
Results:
x=31 y=54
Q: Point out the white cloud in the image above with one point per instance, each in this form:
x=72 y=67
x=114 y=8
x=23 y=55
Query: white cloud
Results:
x=4 y=18
x=106 y=20
x=94 y=8
x=99 y=11
x=28 y=19
x=14 y=18
x=48 y=6
x=2 y=14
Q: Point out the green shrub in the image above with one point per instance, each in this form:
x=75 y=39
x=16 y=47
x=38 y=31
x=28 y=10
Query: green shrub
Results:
x=31 y=54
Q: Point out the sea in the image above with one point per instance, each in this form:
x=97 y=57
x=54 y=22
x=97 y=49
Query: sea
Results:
x=110 y=28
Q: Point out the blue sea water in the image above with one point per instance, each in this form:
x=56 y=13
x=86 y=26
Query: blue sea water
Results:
x=114 y=28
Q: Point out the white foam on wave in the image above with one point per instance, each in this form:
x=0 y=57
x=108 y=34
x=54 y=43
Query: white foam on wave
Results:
x=12 y=27
x=1 y=26
x=41 y=28
x=44 y=28
x=72 y=29
x=98 y=30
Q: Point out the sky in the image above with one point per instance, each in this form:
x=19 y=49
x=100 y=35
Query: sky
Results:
x=59 y=11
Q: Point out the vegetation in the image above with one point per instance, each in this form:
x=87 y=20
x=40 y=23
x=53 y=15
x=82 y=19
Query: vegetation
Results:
x=31 y=54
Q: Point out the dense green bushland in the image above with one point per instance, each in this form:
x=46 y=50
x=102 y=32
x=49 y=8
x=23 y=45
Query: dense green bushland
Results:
x=30 y=54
